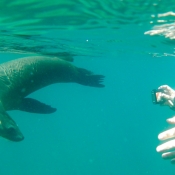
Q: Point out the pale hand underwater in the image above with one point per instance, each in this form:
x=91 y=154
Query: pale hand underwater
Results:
x=168 y=95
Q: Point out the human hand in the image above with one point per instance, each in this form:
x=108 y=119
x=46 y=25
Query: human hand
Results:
x=167 y=148
x=167 y=96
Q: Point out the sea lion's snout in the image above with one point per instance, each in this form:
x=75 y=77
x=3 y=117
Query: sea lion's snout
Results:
x=9 y=129
x=14 y=134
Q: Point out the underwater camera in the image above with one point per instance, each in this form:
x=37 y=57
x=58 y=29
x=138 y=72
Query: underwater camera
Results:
x=154 y=94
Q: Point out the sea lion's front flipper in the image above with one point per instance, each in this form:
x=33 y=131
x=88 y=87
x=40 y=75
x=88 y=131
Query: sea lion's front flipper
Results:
x=34 y=106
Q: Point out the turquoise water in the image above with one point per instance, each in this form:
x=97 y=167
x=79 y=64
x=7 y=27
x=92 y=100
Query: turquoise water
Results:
x=106 y=131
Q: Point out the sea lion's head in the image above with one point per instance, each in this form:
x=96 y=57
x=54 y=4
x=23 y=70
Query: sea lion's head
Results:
x=9 y=129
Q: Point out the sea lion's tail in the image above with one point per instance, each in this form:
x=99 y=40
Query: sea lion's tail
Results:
x=87 y=78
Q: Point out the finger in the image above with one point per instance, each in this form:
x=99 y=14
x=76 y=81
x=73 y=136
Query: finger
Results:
x=166 y=146
x=167 y=103
x=170 y=103
x=171 y=120
x=163 y=87
x=165 y=96
x=164 y=104
x=168 y=99
x=168 y=155
x=158 y=96
x=167 y=134
x=166 y=88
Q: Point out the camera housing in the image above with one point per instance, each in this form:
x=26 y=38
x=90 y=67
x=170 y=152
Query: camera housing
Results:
x=154 y=94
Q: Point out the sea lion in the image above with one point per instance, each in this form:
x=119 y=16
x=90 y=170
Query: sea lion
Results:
x=21 y=77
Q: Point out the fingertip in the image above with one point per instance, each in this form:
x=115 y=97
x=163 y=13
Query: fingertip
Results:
x=161 y=136
x=158 y=149
x=171 y=120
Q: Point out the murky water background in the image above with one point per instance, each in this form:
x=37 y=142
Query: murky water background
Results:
x=108 y=131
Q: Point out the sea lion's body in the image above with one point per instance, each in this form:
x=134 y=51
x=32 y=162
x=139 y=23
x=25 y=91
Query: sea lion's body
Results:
x=21 y=77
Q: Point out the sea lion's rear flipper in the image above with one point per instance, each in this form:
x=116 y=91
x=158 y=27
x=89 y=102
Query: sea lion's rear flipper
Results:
x=34 y=106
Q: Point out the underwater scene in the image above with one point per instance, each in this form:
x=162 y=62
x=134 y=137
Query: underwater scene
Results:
x=79 y=101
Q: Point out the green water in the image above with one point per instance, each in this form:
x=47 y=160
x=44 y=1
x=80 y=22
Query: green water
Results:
x=108 y=131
